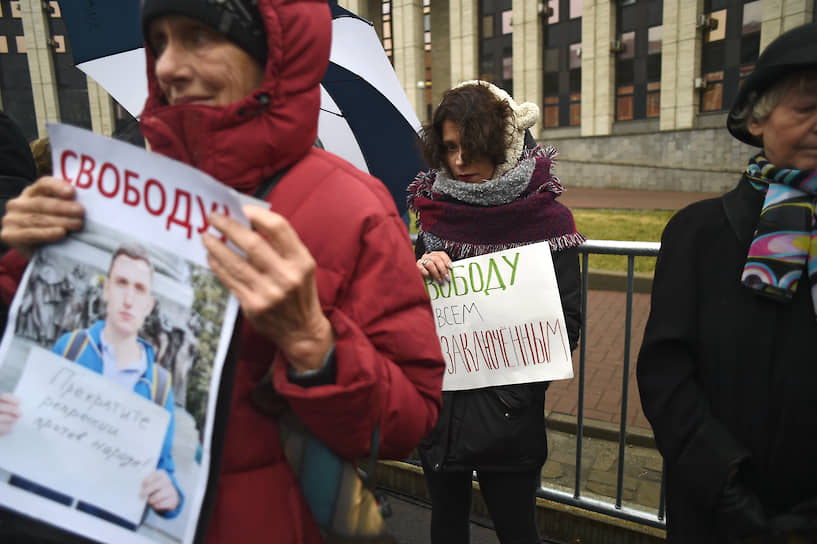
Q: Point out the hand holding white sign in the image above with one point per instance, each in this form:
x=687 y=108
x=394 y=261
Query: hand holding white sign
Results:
x=274 y=283
x=93 y=468
x=44 y=212
x=160 y=492
x=9 y=412
x=435 y=265
x=499 y=320
x=86 y=431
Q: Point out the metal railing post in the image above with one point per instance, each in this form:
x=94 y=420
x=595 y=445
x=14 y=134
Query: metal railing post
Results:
x=582 y=354
x=616 y=509
x=625 y=380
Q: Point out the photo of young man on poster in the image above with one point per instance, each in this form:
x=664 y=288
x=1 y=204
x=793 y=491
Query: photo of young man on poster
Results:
x=111 y=347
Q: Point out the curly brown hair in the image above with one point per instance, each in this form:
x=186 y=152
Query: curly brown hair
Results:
x=482 y=119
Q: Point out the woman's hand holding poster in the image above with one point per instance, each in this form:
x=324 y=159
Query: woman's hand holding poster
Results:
x=112 y=357
x=499 y=320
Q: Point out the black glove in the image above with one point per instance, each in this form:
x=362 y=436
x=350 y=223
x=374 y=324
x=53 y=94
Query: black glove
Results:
x=739 y=515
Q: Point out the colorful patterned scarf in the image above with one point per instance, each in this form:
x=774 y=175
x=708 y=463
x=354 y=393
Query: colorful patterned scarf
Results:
x=467 y=219
x=786 y=236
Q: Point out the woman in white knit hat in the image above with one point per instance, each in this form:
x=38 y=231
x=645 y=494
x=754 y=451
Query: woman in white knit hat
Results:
x=486 y=192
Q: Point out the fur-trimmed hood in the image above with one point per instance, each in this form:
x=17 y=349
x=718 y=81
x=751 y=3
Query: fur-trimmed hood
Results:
x=525 y=116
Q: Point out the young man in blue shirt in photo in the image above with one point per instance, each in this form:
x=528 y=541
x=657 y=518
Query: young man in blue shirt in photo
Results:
x=112 y=347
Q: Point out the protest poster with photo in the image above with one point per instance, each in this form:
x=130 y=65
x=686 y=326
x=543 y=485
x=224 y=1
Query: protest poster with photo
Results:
x=499 y=320
x=114 y=349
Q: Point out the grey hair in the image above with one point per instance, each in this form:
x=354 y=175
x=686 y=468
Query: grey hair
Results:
x=759 y=106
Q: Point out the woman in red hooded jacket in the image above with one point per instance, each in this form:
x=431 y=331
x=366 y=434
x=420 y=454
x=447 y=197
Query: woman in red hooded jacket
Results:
x=334 y=310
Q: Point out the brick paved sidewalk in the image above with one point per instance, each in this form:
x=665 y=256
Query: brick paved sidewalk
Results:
x=604 y=364
x=585 y=197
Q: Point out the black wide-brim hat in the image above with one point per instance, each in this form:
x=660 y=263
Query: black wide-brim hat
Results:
x=790 y=52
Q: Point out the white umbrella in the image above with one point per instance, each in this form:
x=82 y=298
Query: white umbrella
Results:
x=365 y=117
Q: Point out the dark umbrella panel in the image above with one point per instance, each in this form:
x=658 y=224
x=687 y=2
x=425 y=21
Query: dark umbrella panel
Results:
x=386 y=139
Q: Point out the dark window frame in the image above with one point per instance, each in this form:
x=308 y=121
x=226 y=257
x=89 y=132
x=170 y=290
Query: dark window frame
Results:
x=562 y=85
x=493 y=49
x=726 y=62
x=640 y=74
x=72 y=84
x=15 y=76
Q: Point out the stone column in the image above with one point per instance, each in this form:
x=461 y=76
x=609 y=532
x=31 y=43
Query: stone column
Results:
x=102 y=117
x=358 y=7
x=528 y=55
x=409 y=57
x=463 y=21
x=680 y=64
x=40 y=63
x=371 y=10
x=598 y=67
x=440 y=50
x=782 y=15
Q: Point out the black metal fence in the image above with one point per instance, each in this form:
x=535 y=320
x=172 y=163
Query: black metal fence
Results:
x=612 y=508
x=616 y=509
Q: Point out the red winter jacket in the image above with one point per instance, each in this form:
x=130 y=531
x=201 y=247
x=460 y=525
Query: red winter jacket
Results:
x=389 y=365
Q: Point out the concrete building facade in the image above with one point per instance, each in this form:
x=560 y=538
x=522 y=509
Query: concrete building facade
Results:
x=633 y=93
x=38 y=81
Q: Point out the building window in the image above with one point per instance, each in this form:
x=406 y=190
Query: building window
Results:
x=731 y=45
x=72 y=85
x=15 y=78
x=638 y=59
x=562 y=64
x=496 y=43
x=386 y=29
x=575 y=9
x=507 y=21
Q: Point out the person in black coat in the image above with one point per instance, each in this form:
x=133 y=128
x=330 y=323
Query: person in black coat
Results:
x=728 y=368
x=488 y=191
x=17 y=171
x=17 y=168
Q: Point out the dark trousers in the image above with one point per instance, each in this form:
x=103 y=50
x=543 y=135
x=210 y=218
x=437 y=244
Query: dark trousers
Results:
x=509 y=496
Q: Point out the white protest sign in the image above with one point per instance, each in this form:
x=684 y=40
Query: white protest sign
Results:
x=79 y=431
x=499 y=320
x=130 y=196
x=128 y=187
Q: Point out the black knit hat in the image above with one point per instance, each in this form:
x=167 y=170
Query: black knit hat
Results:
x=790 y=52
x=238 y=20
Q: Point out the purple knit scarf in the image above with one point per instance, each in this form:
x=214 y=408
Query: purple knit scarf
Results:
x=465 y=230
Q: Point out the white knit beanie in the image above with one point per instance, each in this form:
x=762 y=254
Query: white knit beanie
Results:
x=525 y=116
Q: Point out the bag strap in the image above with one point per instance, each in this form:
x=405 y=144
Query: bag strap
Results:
x=76 y=344
x=266 y=186
x=368 y=477
x=161 y=384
